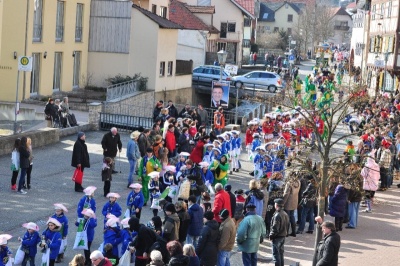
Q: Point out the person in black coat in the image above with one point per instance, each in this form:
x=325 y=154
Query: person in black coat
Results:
x=183 y=141
x=50 y=111
x=144 y=240
x=327 y=252
x=228 y=189
x=172 y=111
x=111 y=143
x=207 y=248
x=80 y=157
x=23 y=164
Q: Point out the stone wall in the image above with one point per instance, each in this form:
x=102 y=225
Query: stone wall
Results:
x=181 y=96
x=39 y=138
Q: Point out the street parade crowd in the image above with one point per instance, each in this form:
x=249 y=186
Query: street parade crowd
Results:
x=183 y=177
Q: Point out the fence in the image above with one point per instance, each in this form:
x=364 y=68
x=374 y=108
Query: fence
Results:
x=124 y=122
x=123 y=89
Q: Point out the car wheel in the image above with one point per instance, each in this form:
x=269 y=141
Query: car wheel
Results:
x=238 y=84
x=272 y=89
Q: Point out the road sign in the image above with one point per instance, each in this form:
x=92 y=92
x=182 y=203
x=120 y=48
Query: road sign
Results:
x=291 y=57
x=25 y=63
x=379 y=63
x=292 y=42
x=231 y=69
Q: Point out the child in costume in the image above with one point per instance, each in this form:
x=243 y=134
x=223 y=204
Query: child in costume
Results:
x=238 y=148
x=154 y=189
x=51 y=238
x=135 y=200
x=87 y=201
x=29 y=242
x=112 y=234
x=256 y=143
x=5 y=252
x=59 y=214
x=106 y=174
x=126 y=235
x=183 y=156
x=208 y=154
x=148 y=164
x=258 y=162
x=205 y=173
x=112 y=206
x=88 y=222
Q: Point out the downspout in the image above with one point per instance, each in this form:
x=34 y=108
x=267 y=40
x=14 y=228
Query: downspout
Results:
x=25 y=49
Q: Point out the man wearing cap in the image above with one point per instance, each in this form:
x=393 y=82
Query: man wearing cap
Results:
x=227 y=232
x=143 y=142
x=279 y=227
x=111 y=143
x=80 y=157
x=250 y=233
x=133 y=155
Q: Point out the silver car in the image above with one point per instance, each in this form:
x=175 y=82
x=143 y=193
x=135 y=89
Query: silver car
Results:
x=259 y=81
x=207 y=73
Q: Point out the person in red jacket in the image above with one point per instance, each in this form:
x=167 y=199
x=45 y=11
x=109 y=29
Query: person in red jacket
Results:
x=197 y=154
x=222 y=201
x=268 y=128
x=170 y=141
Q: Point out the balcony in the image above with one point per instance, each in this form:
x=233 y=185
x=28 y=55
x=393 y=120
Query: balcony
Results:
x=59 y=33
x=37 y=32
x=340 y=27
x=78 y=34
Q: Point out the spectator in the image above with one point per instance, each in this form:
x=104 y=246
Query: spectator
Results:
x=144 y=240
x=278 y=232
x=222 y=201
x=232 y=196
x=80 y=157
x=227 y=231
x=189 y=251
x=143 y=142
x=219 y=121
x=207 y=248
x=98 y=259
x=176 y=252
x=196 y=221
x=173 y=112
x=184 y=140
x=203 y=115
x=290 y=200
x=156 y=258
x=172 y=223
x=111 y=143
x=157 y=110
x=249 y=234
x=328 y=248
x=197 y=154
x=185 y=111
x=133 y=155
x=184 y=219
x=170 y=142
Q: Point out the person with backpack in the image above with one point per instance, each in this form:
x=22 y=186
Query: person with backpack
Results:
x=171 y=224
x=207 y=249
x=255 y=197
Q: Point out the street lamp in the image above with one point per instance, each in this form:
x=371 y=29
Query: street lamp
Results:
x=221 y=60
x=238 y=85
x=290 y=37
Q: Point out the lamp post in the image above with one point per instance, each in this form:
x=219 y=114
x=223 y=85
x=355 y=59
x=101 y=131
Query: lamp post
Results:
x=238 y=86
x=221 y=60
x=290 y=37
x=386 y=54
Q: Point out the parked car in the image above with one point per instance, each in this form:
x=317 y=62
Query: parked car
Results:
x=207 y=73
x=259 y=80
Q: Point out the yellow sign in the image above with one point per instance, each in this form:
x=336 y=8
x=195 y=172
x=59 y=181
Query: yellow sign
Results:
x=25 y=63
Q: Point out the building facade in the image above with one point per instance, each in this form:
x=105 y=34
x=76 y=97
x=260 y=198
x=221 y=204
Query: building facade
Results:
x=55 y=34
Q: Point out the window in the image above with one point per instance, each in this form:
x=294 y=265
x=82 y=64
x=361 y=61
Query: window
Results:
x=170 y=68
x=35 y=74
x=154 y=9
x=382 y=11
x=162 y=69
x=373 y=12
x=60 y=21
x=57 y=71
x=246 y=43
x=163 y=11
x=77 y=70
x=289 y=30
x=267 y=28
x=79 y=22
x=276 y=29
x=221 y=46
x=204 y=2
x=247 y=22
x=389 y=9
x=227 y=27
x=37 y=20
x=290 y=18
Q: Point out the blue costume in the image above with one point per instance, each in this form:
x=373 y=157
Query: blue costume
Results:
x=166 y=180
x=112 y=235
x=267 y=166
x=126 y=237
x=112 y=208
x=179 y=165
x=86 y=202
x=208 y=176
x=53 y=241
x=208 y=156
x=135 y=200
x=64 y=224
x=256 y=143
x=4 y=252
x=30 y=242
x=224 y=147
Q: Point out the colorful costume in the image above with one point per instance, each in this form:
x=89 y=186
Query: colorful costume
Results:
x=147 y=165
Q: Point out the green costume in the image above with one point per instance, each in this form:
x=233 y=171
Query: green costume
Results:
x=220 y=171
x=147 y=165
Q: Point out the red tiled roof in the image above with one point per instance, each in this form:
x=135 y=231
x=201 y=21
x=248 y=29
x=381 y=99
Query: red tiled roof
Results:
x=247 y=5
x=352 y=5
x=180 y=14
x=201 y=9
x=289 y=1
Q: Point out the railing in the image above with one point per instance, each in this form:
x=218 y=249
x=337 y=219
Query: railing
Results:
x=145 y=110
x=78 y=34
x=124 y=122
x=37 y=33
x=122 y=89
x=59 y=33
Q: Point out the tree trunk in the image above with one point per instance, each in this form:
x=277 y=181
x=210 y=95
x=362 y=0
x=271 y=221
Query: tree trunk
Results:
x=321 y=202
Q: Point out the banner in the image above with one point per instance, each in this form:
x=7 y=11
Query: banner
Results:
x=220 y=94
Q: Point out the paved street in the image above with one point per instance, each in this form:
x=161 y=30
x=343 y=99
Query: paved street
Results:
x=376 y=241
